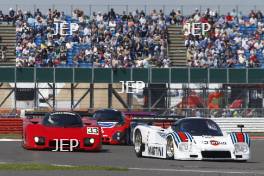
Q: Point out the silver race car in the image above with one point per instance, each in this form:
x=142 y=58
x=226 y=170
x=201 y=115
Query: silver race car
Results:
x=191 y=139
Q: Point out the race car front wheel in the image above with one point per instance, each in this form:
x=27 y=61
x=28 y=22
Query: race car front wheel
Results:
x=138 y=143
x=170 y=148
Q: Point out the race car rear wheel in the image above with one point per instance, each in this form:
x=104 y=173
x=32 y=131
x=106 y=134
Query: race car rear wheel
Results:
x=138 y=143
x=170 y=148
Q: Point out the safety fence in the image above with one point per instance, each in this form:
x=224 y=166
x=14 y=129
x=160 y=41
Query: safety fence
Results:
x=10 y=125
x=250 y=124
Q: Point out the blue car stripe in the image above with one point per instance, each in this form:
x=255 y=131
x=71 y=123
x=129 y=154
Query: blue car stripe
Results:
x=177 y=136
x=177 y=141
x=189 y=137
x=247 y=139
x=233 y=138
x=174 y=139
x=174 y=135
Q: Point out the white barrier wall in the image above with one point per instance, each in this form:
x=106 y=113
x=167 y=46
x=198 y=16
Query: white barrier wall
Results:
x=250 y=124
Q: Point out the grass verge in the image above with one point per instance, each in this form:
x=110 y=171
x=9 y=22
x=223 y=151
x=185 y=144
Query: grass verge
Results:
x=10 y=136
x=50 y=167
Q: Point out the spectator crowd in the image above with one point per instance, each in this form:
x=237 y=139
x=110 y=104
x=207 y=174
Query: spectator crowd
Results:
x=100 y=40
x=135 y=39
x=234 y=40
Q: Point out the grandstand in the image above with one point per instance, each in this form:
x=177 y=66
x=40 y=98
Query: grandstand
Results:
x=121 y=42
x=8 y=40
x=135 y=39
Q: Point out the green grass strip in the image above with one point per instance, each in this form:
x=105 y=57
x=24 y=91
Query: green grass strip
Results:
x=10 y=136
x=49 y=167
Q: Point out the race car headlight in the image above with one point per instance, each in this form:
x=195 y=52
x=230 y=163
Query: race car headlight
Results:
x=183 y=147
x=92 y=140
x=118 y=136
x=89 y=141
x=39 y=140
x=241 y=148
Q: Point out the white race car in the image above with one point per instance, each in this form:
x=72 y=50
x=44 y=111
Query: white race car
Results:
x=191 y=139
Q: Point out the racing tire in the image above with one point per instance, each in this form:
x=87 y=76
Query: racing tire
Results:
x=23 y=143
x=127 y=137
x=170 y=148
x=138 y=143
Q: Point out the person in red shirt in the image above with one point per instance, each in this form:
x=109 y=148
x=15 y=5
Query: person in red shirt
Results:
x=253 y=58
x=229 y=18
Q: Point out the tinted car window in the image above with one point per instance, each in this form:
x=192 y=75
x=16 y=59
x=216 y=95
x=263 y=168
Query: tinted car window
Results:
x=108 y=116
x=63 y=120
x=199 y=127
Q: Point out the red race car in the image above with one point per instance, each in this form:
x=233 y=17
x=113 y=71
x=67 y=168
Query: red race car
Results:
x=61 y=131
x=115 y=126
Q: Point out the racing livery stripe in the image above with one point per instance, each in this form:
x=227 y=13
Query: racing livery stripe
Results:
x=175 y=140
x=235 y=138
x=177 y=137
x=246 y=136
x=189 y=137
x=232 y=138
x=183 y=137
x=107 y=124
x=240 y=137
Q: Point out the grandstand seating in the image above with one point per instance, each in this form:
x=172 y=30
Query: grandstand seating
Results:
x=150 y=43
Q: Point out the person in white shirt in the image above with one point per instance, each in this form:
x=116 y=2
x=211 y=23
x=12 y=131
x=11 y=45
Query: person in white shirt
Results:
x=253 y=20
x=99 y=17
x=112 y=24
x=142 y=20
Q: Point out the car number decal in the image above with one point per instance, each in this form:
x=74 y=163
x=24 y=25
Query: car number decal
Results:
x=92 y=130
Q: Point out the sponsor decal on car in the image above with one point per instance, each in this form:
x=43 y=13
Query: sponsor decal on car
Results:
x=107 y=124
x=215 y=143
x=155 y=151
x=92 y=130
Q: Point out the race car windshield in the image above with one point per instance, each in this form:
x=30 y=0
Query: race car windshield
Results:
x=108 y=116
x=200 y=127
x=63 y=120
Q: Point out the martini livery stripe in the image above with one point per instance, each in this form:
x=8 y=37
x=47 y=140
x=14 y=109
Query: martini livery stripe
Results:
x=179 y=137
x=240 y=137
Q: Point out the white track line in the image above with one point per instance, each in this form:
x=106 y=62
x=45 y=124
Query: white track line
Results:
x=10 y=140
x=199 y=171
x=62 y=165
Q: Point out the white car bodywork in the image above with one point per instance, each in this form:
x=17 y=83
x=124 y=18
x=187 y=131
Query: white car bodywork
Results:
x=226 y=147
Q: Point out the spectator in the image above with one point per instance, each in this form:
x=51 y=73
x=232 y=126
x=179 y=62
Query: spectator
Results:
x=3 y=52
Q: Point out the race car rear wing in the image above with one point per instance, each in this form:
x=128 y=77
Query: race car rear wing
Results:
x=40 y=114
x=139 y=117
x=162 y=121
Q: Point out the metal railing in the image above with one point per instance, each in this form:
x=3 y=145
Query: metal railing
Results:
x=218 y=113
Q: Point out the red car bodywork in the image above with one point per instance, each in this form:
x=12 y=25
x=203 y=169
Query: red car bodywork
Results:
x=35 y=128
x=114 y=132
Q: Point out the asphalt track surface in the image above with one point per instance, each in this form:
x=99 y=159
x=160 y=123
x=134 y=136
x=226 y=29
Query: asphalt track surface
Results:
x=124 y=156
